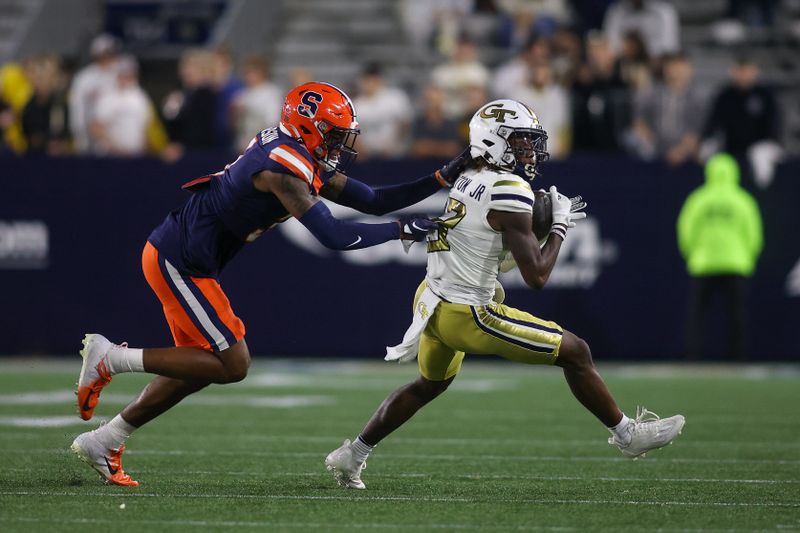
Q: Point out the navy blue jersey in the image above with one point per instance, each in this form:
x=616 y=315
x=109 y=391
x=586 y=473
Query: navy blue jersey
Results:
x=226 y=211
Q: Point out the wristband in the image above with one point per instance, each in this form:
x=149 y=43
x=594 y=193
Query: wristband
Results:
x=440 y=179
x=560 y=230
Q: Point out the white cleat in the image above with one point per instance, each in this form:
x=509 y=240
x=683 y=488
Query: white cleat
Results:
x=346 y=470
x=107 y=463
x=648 y=432
x=95 y=373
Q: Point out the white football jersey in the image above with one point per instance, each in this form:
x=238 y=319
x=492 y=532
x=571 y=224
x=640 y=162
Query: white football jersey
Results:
x=464 y=253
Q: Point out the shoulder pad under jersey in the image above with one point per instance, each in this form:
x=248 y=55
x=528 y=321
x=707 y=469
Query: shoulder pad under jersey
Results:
x=509 y=192
x=290 y=157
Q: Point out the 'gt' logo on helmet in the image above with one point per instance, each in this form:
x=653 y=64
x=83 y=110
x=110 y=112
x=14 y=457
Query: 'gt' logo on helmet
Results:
x=309 y=104
x=496 y=112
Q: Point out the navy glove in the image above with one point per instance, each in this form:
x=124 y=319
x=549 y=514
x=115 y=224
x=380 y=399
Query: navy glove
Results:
x=415 y=228
x=449 y=173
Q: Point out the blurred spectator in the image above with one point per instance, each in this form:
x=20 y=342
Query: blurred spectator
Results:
x=567 y=54
x=87 y=86
x=190 y=113
x=668 y=118
x=157 y=139
x=299 y=75
x=720 y=236
x=744 y=112
x=601 y=101
x=655 y=20
x=516 y=72
x=6 y=121
x=434 y=22
x=384 y=114
x=45 y=118
x=434 y=135
x=15 y=91
x=474 y=97
x=228 y=86
x=633 y=63
x=522 y=19
x=123 y=112
x=461 y=73
x=259 y=105
x=551 y=104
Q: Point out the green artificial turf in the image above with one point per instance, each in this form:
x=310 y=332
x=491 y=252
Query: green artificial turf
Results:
x=507 y=448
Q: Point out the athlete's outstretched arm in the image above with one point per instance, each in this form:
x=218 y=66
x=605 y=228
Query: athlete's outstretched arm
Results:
x=329 y=230
x=535 y=265
x=379 y=201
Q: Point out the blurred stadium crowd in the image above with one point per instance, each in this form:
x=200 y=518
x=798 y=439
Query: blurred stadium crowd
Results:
x=606 y=76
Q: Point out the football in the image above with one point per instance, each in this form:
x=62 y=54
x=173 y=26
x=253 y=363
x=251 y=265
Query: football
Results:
x=542 y=214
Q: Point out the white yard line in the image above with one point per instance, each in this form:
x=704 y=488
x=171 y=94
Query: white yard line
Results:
x=288 y=525
x=359 y=498
x=60 y=397
x=433 y=457
x=359 y=525
x=469 y=441
x=489 y=476
x=500 y=477
x=466 y=441
x=55 y=421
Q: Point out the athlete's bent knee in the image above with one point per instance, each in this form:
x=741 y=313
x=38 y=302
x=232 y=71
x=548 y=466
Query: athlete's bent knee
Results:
x=236 y=362
x=236 y=374
x=428 y=390
x=575 y=353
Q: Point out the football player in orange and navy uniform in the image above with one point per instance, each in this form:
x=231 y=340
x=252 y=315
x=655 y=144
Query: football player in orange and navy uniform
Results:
x=281 y=174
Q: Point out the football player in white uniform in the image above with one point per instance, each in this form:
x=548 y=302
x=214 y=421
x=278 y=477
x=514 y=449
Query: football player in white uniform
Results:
x=456 y=308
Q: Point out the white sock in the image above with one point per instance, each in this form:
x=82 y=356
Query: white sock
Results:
x=123 y=359
x=621 y=430
x=361 y=449
x=115 y=433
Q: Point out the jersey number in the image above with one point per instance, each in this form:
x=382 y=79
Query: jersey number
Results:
x=454 y=213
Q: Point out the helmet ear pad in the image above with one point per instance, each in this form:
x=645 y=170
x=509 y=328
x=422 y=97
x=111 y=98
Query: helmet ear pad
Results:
x=490 y=147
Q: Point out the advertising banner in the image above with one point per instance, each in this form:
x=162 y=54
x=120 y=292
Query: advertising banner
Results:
x=72 y=232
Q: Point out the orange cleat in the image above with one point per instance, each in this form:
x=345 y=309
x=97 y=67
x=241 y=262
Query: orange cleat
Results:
x=94 y=373
x=108 y=463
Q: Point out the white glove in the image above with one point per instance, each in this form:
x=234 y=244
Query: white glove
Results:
x=564 y=214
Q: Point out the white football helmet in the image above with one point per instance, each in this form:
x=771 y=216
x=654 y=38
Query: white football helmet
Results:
x=507 y=134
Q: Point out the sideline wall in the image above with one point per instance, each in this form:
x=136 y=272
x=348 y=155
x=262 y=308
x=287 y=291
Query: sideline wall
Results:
x=72 y=230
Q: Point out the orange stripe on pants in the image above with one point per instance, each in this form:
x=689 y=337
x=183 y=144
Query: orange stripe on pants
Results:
x=222 y=306
x=184 y=332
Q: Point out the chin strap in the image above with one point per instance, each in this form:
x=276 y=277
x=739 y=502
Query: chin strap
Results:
x=527 y=171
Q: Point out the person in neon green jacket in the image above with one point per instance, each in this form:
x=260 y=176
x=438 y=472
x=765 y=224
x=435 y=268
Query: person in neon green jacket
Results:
x=720 y=236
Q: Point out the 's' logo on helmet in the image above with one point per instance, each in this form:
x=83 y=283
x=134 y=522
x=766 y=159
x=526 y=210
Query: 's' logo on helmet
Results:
x=497 y=112
x=309 y=104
